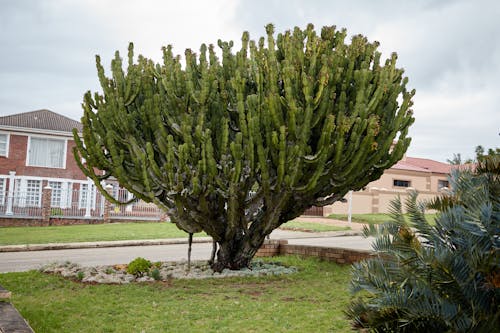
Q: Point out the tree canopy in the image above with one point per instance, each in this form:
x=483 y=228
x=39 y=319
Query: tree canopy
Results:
x=238 y=145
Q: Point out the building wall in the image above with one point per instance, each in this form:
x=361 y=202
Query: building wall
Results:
x=418 y=180
x=378 y=194
x=16 y=161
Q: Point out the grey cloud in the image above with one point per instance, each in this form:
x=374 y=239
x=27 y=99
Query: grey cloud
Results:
x=449 y=49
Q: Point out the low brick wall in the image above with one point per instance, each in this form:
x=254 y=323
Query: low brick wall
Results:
x=39 y=222
x=272 y=248
x=338 y=255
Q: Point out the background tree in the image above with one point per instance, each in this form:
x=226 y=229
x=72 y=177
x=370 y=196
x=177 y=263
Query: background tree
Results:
x=481 y=154
x=455 y=160
x=238 y=146
x=442 y=277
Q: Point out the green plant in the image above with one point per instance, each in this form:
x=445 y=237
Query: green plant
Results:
x=443 y=277
x=56 y=212
x=155 y=274
x=89 y=233
x=311 y=226
x=238 y=146
x=139 y=266
x=80 y=275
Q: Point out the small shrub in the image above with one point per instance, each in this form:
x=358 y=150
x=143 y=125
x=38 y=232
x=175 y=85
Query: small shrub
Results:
x=155 y=274
x=109 y=271
x=157 y=264
x=56 y=212
x=80 y=275
x=139 y=266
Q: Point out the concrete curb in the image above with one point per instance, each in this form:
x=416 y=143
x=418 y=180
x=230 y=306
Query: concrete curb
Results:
x=90 y=245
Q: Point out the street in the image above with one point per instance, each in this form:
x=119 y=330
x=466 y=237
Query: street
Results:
x=23 y=261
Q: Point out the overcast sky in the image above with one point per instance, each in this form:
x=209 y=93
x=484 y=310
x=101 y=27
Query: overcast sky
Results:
x=449 y=49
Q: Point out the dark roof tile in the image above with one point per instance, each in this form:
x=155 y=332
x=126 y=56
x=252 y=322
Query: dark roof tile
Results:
x=41 y=119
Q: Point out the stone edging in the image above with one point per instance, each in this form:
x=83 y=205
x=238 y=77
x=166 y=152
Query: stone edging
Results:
x=11 y=320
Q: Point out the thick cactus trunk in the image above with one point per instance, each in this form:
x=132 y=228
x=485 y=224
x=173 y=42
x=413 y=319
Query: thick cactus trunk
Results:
x=236 y=254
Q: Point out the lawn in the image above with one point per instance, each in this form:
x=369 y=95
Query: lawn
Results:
x=312 y=300
x=90 y=233
x=310 y=226
x=373 y=218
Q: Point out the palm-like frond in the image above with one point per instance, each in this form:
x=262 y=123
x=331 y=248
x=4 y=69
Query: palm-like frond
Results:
x=442 y=277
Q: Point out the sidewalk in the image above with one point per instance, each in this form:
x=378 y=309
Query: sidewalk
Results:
x=356 y=229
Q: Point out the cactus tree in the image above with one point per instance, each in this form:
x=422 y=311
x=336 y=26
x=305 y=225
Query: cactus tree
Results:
x=238 y=144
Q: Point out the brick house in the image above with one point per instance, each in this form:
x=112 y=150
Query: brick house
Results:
x=36 y=151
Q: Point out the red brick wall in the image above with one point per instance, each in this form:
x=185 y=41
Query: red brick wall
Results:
x=338 y=255
x=17 y=162
x=272 y=248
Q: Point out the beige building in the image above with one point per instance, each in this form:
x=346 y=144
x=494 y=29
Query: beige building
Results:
x=427 y=176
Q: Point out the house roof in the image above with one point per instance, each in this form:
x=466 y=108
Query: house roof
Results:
x=42 y=120
x=423 y=165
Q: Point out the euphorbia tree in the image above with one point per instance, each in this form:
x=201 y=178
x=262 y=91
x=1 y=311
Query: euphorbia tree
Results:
x=239 y=145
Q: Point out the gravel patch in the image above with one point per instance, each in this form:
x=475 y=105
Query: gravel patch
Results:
x=117 y=274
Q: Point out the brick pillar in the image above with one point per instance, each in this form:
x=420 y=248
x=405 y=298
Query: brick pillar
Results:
x=46 y=204
x=107 y=204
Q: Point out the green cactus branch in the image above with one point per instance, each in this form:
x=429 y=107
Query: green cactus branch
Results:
x=238 y=143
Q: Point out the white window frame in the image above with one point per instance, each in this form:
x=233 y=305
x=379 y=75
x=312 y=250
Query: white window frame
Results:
x=7 y=143
x=3 y=182
x=65 y=150
x=83 y=196
x=21 y=198
x=20 y=187
x=65 y=198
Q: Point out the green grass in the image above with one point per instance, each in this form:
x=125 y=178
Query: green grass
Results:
x=373 y=218
x=90 y=233
x=312 y=300
x=311 y=226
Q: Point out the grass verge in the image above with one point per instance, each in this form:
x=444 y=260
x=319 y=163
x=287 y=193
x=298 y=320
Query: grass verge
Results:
x=311 y=300
x=373 y=218
x=311 y=226
x=90 y=233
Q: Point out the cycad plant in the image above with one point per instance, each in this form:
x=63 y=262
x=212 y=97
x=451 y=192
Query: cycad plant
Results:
x=439 y=277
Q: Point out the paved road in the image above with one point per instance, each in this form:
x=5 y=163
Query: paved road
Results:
x=23 y=261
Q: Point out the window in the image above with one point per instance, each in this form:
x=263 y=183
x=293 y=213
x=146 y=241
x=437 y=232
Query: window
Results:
x=84 y=188
x=44 y=152
x=401 y=183
x=2 y=191
x=443 y=183
x=60 y=194
x=33 y=193
x=56 y=197
x=4 y=144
